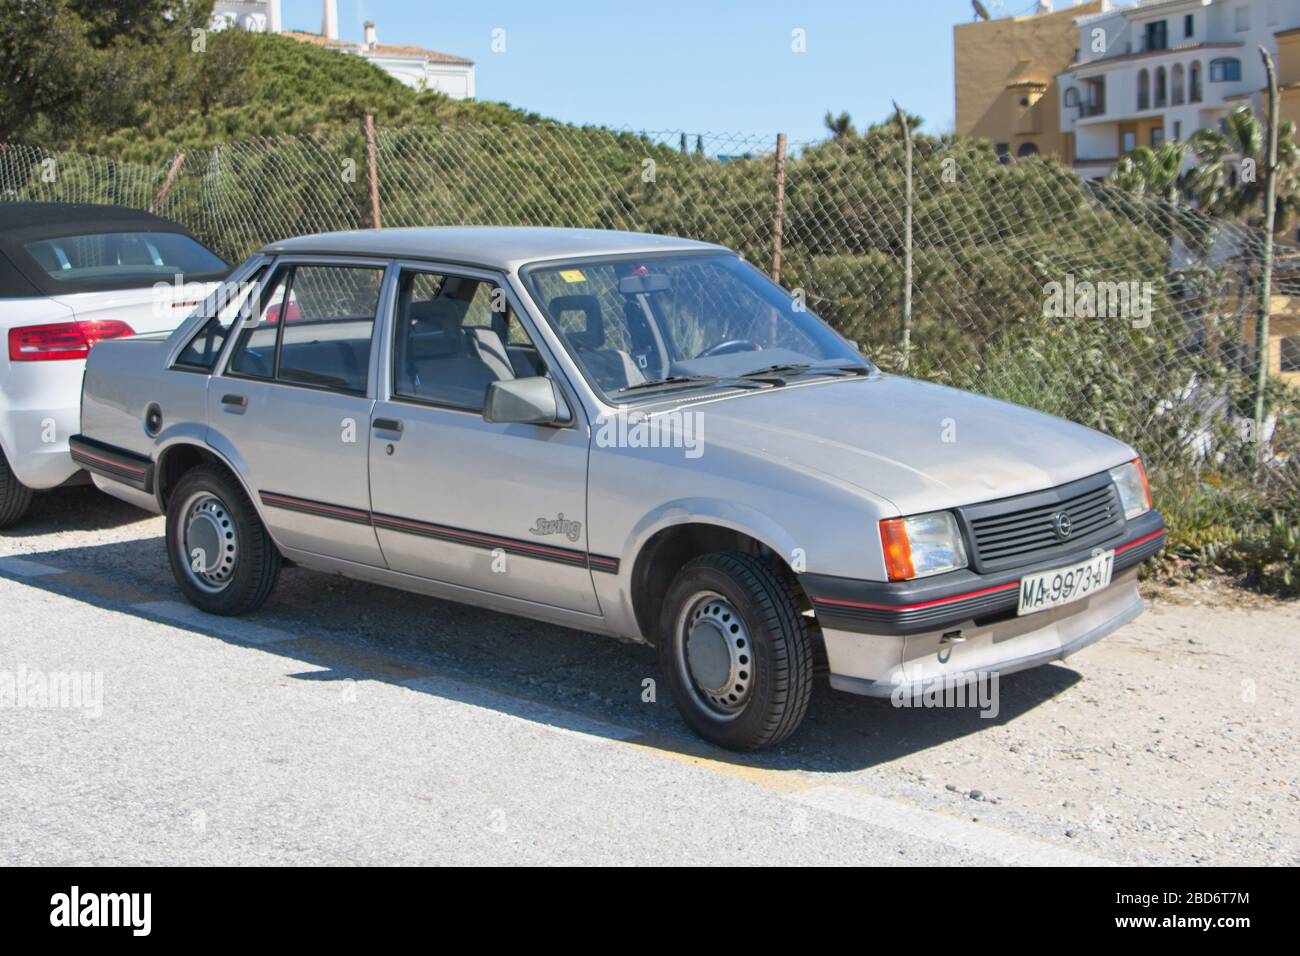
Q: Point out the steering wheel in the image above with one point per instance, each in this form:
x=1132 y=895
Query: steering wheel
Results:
x=729 y=347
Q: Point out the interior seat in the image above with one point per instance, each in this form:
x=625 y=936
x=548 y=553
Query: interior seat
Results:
x=439 y=361
x=612 y=368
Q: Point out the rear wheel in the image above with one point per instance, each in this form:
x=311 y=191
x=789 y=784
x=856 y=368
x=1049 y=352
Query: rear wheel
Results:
x=221 y=555
x=15 y=497
x=737 y=650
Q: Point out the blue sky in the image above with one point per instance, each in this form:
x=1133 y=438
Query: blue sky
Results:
x=702 y=65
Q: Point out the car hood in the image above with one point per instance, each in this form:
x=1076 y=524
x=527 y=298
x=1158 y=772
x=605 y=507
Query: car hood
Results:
x=919 y=445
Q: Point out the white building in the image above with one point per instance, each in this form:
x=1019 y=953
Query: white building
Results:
x=418 y=68
x=1161 y=70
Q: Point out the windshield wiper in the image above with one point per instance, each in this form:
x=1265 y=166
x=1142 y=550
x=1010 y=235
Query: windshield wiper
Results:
x=777 y=373
x=671 y=380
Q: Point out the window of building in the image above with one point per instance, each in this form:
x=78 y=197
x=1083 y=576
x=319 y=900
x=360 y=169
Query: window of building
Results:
x=1071 y=96
x=1290 y=353
x=1003 y=152
x=1162 y=87
x=1027 y=149
x=1225 y=70
x=1241 y=19
x=1194 y=82
x=1144 y=90
x=1177 y=86
x=1128 y=141
x=1178 y=130
x=1156 y=35
x=1189 y=25
x=1157 y=137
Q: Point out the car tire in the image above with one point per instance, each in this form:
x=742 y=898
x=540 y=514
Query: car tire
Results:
x=737 y=650
x=220 y=553
x=15 y=497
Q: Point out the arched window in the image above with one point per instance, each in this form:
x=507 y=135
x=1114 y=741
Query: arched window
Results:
x=1177 y=84
x=1071 y=96
x=1162 y=87
x=1194 y=82
x=1226 y=69
x=1027 y=149
x=1144 y=90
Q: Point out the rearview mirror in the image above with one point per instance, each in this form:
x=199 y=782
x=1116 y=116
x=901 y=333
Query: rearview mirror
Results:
x=536 y=400
x=635 y=285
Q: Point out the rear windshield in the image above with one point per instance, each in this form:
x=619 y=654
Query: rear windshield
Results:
x=120 y=256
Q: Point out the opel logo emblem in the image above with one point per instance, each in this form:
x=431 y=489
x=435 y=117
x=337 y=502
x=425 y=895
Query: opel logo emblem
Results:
x=1062 y=525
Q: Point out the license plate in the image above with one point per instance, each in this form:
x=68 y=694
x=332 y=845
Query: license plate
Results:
x=1049 y=589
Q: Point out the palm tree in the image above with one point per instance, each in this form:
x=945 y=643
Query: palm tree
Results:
x=1229 y=177
x=1151 y=172
x=841 y=126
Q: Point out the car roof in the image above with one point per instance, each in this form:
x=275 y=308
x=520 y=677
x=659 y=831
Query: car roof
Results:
x=66 y=218
x=495 y=247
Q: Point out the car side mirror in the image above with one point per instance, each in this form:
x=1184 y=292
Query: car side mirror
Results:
x=536 y=400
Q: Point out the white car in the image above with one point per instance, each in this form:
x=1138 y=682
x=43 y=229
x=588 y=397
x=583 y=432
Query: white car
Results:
x=70 y=276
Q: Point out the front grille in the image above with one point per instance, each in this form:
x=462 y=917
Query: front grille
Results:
x=1021 y=531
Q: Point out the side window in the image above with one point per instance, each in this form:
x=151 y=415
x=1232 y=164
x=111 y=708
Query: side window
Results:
x=453 y=337
x=254 y=354
x=204 y=347
x=315 y=328
x=327 y=326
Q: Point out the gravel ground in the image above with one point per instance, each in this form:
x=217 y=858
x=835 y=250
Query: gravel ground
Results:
x=345 y=723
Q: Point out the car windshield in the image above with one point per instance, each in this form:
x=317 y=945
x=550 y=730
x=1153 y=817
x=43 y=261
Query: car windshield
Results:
x=641 y=325
x=148 y=256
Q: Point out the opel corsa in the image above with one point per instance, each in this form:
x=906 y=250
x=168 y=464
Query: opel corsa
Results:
x=629 y=434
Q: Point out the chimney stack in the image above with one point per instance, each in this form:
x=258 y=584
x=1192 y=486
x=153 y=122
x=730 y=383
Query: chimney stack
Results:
x=330 y=19
x=273 y=24
x=371 y=39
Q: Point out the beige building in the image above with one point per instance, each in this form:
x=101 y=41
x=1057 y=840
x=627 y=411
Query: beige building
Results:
x=1005 y=75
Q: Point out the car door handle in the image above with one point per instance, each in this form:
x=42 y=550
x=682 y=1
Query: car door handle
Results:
x=387 y=425
x=240 y=400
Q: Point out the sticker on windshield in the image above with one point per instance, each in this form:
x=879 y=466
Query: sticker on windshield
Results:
x=572 y=275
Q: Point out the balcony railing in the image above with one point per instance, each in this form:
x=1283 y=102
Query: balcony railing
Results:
x=1092 y=109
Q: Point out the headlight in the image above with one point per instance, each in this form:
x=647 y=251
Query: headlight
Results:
x=922 y=545
x=1131 y=482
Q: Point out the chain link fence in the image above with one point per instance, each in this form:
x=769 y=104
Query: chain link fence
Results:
x=1125 y=312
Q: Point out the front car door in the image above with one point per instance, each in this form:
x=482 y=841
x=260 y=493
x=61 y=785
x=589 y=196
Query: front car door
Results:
x=493 y=507
x=291 y=408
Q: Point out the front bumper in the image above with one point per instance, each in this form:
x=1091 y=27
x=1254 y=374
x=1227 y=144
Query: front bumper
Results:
x=912 y=664
x=959 y=597
x=886 y=638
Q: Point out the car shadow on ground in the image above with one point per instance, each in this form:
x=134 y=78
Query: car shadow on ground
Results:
x=346 y=630
x=75 y=508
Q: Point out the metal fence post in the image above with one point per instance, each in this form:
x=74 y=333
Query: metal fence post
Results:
x=905 y=326
x=168 y=182
x=372 y=160
x=778 y=213
x=1266 y=279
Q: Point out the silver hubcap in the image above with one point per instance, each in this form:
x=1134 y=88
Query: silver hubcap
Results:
x=714 y=652
x=211 y=547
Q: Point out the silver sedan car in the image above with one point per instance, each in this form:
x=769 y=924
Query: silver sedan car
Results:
x=629 y=434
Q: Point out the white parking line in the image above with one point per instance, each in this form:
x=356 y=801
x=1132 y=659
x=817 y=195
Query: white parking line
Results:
x=245 y=632
x=1000 y=845
x=26 y=569
x=520 y=708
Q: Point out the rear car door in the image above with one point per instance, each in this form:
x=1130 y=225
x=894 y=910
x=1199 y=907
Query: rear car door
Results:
x=494 y=507
x=292 y=406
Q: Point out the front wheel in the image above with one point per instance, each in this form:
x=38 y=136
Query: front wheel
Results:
x=221 y=555
x=737 y=650
x=15 y=497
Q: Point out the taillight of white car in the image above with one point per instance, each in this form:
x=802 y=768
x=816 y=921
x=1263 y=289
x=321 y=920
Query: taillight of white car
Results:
x=62 y=340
